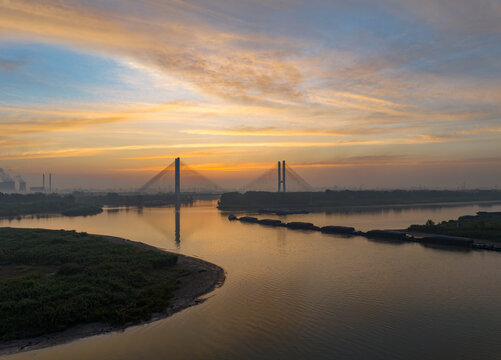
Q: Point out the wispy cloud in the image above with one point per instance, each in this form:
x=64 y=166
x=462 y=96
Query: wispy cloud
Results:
x=278 y=131
x=212 y=59
x=361 y=161
x=9 y=65
x=463 y=16
x=16 y=121
x=22 y=143
x=78 y=152
x=243 y=67
x=385 y=160
x=192 y=154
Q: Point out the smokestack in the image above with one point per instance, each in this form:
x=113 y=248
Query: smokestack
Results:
x=279 y=176
x=50 y=183
x=43 y=181
x=283 y=175
x=22 y=186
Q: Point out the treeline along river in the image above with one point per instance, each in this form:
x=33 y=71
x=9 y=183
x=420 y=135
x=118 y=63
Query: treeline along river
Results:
x=295 y=295
x=253 y=200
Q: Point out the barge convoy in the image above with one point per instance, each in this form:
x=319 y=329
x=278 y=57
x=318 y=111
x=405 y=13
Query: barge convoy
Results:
x=394 y=235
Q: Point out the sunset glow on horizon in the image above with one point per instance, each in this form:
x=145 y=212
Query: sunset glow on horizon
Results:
x=387 y=94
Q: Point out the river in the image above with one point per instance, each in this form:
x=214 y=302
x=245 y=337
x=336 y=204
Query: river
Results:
x=300 y=295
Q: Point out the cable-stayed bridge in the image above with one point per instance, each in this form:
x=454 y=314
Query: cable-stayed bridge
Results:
x=178 y=177
x=279 y=178
x=182 y=179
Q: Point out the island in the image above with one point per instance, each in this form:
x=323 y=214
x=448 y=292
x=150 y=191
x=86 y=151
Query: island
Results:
x=483 y=225
x=57 y=285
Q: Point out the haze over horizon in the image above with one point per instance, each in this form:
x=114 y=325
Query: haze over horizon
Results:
x=393 y=94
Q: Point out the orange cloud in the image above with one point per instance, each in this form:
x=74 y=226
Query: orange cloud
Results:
x=363 y=161
x=206 y=167
x=253 y=69
x=87 y=151
x=277 y=131
x=194 y=154
x=209 y=58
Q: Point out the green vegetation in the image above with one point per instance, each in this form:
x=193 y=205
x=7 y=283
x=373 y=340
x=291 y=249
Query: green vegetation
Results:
x=12 y=205
x=51 y=280
x=484 y=225
x=78 y=203
x=83 y=210
x=254 y=200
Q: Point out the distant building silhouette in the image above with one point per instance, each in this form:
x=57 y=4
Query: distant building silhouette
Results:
x=8 y=186
x=22 y=186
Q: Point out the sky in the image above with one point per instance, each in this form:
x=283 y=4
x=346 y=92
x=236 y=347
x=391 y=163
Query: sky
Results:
x=352 y=94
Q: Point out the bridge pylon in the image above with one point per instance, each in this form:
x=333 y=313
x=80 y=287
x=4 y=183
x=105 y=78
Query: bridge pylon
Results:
x=281 y=176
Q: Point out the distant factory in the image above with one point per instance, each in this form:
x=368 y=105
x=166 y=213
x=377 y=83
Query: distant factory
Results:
x=43 y=188
x=7 y=183
x=7 y=186
x=13 y=184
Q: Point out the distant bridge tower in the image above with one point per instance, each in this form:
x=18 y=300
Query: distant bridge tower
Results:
x=172 y=173
x=281 y=176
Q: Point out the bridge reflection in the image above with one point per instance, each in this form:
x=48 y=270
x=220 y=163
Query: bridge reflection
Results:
x=170 y=228
x=177 y=232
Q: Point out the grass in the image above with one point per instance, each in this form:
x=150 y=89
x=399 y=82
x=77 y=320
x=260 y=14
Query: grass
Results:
x=51 y=280
x=484 y=225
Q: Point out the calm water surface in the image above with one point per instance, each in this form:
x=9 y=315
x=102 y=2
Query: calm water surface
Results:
x=298 y=295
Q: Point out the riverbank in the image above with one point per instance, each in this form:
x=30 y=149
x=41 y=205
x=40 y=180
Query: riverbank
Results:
x=17 y=205
x=14 y=206
x=195 y=279
x=345 y=199
x=484 y=225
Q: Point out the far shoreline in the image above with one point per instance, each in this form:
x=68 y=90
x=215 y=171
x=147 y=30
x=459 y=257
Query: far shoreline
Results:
x=204 y=278
x=313 y=209
x=332 y=199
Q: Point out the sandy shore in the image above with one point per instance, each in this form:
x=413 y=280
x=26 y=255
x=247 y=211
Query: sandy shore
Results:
x=204 y=278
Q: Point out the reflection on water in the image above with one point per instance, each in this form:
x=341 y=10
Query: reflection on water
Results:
x=297 y=295
x=178 y=225
x=404 y=208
